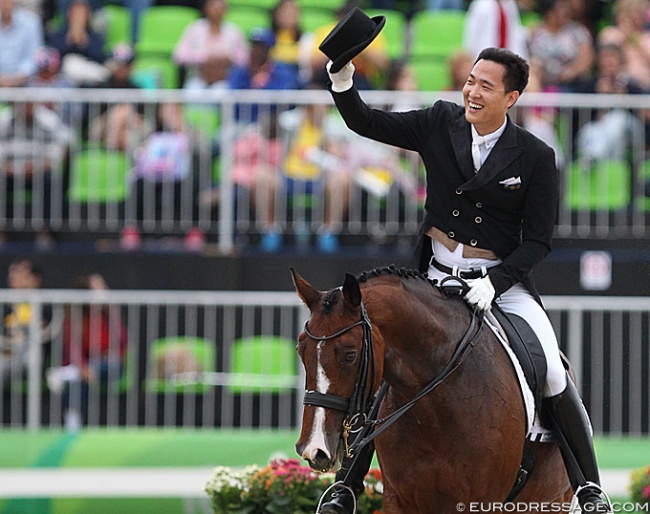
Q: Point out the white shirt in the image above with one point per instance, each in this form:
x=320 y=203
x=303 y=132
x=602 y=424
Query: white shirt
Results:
x=484 y=144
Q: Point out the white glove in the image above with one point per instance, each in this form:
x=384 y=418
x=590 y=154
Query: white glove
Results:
x=342 y=79
x=481 y=293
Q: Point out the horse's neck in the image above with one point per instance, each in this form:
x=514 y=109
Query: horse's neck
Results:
x=420 y=334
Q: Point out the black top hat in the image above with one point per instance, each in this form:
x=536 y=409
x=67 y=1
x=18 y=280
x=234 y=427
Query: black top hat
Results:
x=350 y=37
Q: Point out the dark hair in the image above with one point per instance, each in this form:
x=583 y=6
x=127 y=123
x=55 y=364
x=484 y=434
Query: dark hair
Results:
x=515 y=77
x=275 y=26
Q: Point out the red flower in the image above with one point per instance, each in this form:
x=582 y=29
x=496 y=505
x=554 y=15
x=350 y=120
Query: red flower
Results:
x=645 y=492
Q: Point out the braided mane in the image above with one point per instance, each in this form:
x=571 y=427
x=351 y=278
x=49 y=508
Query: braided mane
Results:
x=392 y=270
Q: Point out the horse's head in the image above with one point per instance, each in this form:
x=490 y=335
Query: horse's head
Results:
x=343 y=367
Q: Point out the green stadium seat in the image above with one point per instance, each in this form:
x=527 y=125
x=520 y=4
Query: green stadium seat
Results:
x=530 y=19
x=604 y=185
x=248 y=17
x=260 y=4
x=431 y=74
x=331 y=5
x=99 y=176
x=312 y=19
x=437 y=33
x=394 y=31
x=205 y=119
x=161 y=28
x=118 y=25
x=263 y=364
x=177 y=362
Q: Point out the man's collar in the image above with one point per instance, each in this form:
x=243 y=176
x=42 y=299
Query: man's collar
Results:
x=489 y=139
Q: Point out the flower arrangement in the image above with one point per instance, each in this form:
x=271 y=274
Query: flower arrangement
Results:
x=640 y=486
x=282 y=487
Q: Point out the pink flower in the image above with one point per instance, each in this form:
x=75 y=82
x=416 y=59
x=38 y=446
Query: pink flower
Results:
x=645 y=492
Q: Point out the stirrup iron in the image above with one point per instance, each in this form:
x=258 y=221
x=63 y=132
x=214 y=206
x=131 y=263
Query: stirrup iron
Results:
x=342 y=485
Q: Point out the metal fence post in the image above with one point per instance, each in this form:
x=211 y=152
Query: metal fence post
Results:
x=34 y=364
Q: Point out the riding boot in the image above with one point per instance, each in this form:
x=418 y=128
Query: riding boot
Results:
x=351 y=475
x=571 y=423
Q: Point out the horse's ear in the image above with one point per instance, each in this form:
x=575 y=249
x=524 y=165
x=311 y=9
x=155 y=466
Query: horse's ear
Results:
x=351 y=290
x=307 y=293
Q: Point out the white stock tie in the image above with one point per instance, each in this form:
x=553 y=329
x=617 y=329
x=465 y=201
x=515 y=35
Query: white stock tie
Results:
x=477 y=141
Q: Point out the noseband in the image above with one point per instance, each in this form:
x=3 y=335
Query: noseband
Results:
x=362 y=396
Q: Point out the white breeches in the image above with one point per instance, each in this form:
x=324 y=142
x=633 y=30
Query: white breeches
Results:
x=518 y=300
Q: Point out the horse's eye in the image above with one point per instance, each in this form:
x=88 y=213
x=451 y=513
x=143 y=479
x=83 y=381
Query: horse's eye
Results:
x=350 y=356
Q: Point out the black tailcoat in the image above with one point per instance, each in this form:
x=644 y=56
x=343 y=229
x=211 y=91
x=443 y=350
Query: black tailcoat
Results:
x=508 y=207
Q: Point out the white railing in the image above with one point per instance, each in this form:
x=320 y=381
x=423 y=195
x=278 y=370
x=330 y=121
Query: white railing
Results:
x=371 y=192
x=180 y=367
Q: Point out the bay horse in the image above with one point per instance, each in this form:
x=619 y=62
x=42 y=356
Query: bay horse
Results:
x=461 y=442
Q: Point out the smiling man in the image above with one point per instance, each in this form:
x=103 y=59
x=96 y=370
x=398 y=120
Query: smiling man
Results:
x=492 y=193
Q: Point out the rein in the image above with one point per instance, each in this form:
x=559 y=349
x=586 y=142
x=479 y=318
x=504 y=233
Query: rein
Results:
x=464 y=347
x=361 y=404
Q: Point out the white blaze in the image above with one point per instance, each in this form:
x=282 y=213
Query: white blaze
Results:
x=317 y=437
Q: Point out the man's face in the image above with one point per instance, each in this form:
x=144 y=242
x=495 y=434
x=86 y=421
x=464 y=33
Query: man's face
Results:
x=485 y=97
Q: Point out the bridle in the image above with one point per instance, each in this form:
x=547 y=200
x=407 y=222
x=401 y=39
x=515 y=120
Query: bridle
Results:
x=356 y=406
x=362 y=402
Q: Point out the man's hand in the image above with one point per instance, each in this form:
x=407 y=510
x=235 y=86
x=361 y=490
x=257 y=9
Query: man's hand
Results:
x=342 y=79
x=481 y=293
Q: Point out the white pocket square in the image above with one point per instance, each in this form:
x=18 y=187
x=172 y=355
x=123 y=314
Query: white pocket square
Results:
x=512 y=181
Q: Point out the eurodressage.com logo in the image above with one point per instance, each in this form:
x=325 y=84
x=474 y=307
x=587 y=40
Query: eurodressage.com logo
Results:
x=571 y=507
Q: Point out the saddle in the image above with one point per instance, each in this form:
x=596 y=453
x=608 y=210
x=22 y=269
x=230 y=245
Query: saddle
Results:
x=527 y=348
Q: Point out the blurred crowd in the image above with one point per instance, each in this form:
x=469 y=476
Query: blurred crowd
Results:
x=583 y=46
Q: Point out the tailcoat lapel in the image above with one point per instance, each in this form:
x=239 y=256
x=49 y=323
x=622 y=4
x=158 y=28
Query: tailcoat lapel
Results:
x=461 y=141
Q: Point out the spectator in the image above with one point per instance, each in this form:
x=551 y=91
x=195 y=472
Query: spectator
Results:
x=460 y=65
x=258 y=154
x=212 y=73
x=615 y=134
x=166 y=184
x=262 y=72
x=563 y=45
x=494 y=23
x=94 y=345
x=371 y=65
x=21 y=33
x=211 y=36
x=315 y=164
x=34 y=145
x=120 y=126
x=136 y=9
x=23 y=274
x=80 y=46
x=292 y=45
x=48 y=75
x=631 y=34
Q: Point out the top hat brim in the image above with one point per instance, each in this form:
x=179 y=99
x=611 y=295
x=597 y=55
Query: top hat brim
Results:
x=352 y=52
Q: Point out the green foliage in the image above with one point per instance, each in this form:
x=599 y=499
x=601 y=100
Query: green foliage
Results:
x=640 y=486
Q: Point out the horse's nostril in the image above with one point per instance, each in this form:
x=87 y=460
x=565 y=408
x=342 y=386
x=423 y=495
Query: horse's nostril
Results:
x=321 y=456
